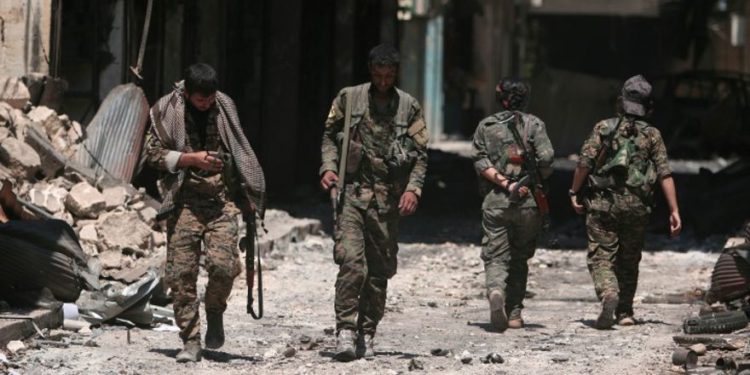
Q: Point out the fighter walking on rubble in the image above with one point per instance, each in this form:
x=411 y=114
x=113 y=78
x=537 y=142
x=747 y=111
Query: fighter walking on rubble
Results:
x=620 y=162
x=209 y=174
x=385 y=171
x=513 y=156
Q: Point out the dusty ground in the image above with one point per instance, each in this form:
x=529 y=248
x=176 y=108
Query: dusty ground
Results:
x=435 y=301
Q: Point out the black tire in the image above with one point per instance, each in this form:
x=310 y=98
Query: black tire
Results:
x=721 y=322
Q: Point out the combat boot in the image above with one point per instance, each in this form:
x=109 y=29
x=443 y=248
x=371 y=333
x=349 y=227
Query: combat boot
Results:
x=190 y=353
x=498 y=318
x=345 y=346
x=365 y=346
x=515 y=321
x=215 y=330
x=606 y=317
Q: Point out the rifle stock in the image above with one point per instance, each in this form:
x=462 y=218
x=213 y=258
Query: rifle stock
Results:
x=250 y=256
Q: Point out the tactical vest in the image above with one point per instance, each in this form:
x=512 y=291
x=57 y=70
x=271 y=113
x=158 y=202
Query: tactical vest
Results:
x=400 y=155
x=628 y=168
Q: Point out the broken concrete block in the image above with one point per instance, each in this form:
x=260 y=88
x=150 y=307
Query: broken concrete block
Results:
x=110 y=259
x=148 y=215
x=14 y=92
x=52 y=161
x=124 y=232
x=49 y=197
x=735 y=241
x=19 y=157
x=88 y=233
x=15 y=346
x=115 y=196
x=85 y=201
x=47 y=117
x=4 y=133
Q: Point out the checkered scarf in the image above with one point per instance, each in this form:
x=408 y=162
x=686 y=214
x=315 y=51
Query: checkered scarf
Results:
x=170 y=110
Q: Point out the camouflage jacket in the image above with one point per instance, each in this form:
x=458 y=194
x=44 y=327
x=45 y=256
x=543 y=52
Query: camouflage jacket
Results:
x=636 y=159
x=495 y=146
x=198 y=185
x=388 y=149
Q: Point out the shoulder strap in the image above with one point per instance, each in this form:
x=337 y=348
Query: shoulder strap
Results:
x=346 y=139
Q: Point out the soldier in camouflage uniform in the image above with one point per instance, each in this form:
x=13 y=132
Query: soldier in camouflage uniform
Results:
x=386 y=168
x=511 y=228
x=204 y=207
x=622 y=160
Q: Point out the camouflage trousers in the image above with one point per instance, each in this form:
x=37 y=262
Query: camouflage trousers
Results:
x=366 y=249
x=214 y=224
x=615 y=244
x=509 y=241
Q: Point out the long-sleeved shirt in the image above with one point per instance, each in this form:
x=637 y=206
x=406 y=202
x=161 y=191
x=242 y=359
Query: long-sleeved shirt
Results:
x=388 y=152
x=495 y=146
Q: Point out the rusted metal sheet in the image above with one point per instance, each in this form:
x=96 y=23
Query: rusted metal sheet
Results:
x=729 y=279
x=114 y=137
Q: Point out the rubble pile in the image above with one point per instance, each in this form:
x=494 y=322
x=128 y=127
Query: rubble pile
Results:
x=114 y=221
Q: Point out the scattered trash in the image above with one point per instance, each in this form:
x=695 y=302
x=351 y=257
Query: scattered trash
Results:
x=439 y=352
x=415 y=364
x=719 y=322
x=466 y=357
x=685 y=358
x=494 y=358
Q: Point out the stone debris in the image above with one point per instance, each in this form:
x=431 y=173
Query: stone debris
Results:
x=439 y=352
x=465 y=357
x=20 y=158
x=14 y=92
x=415 y=364
x=15 y=346
x=85 y=200
x=699 y=349
x=289 y=352
x=115 y=196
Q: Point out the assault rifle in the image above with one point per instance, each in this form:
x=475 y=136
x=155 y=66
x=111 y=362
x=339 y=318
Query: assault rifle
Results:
x=248 y=245
x=336 y=193
x=533 y=179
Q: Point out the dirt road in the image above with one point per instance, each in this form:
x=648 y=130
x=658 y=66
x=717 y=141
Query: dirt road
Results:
x=435 y=302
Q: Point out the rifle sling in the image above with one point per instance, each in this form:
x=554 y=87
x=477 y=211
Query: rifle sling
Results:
x=346 y=140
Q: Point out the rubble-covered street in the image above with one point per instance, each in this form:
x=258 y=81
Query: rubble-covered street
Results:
x=435 y=306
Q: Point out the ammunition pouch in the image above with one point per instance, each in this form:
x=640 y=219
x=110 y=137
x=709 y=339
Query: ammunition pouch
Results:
x=355 y=152
x=400 y=160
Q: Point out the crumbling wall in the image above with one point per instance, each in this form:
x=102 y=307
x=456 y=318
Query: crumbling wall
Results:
x=25 y=36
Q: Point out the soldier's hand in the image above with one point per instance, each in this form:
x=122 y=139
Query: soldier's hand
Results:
x=408 y=203
x=579 y=209
x=329 y=179
x=675 y=224
x=522 y=191
x=206 y=161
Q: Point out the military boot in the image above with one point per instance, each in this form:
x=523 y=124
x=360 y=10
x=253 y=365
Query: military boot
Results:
x=345 y=346
x=190 y=353
x=365 y=346
x=215 y=330
x=498 y=318
x=606 y=317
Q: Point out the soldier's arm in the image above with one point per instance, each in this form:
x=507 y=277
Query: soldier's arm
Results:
x=158 y=156
x=482 y=163
x=418 y=132
x=329 y=146
x=591 y=147
x=545 y=153
x=664 y=172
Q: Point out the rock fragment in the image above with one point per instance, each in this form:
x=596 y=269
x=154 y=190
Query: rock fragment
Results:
x=19 y=158
x=415 y=364
x=115 y=196
x=85 y=201
x=14 y=92
x=465 y=357
x=15 y=346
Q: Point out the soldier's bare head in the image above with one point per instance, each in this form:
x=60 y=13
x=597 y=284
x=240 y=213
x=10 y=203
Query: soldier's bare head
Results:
x=201 y=83
x=383 y=62
x=512 y=93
